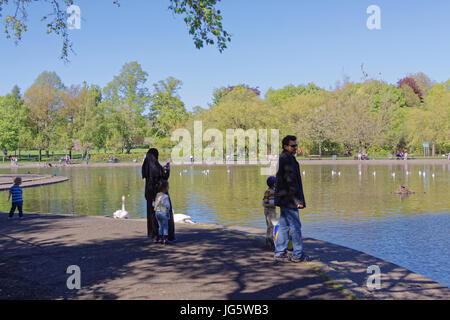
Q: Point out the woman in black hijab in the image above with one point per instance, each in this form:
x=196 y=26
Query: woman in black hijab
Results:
x=154 y=173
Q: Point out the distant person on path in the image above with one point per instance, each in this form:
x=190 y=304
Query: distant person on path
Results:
x=17 y=200
x=162 y=212
x=87 y=158
x=154 y=174
x=270 y=211
x=289 y=197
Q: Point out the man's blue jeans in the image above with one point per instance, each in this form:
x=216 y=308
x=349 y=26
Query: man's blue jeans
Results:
x=289 y=221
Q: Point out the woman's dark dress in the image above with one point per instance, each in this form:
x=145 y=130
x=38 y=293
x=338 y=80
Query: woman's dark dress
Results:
x=154 y=173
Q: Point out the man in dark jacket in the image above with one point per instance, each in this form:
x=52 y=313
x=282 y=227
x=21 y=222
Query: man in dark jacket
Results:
x=289 y=197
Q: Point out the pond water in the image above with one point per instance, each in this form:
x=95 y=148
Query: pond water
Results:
x=356 y=209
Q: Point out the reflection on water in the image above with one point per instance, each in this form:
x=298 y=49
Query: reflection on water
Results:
x=356 y=206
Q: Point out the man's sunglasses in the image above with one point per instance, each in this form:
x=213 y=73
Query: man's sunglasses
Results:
x=293 y=145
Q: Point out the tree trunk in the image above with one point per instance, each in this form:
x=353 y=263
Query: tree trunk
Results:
x=40 y=154
x=320 y=148
x=20 y=156
x=433 y=149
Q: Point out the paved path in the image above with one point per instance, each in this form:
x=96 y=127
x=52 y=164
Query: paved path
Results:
x=117 y=261
x=29 y=180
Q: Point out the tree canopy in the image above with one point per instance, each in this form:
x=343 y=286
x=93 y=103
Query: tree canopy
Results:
x=371 y=116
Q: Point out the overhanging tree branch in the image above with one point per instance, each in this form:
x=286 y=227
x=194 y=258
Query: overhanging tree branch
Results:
x=202 y=19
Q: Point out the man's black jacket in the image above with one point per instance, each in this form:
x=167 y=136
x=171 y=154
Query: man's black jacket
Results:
x=288 y=189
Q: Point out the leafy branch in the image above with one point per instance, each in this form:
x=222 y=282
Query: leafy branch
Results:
x=202 y=19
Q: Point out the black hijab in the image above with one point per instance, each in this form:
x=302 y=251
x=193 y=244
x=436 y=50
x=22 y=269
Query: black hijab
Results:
x=152 y=171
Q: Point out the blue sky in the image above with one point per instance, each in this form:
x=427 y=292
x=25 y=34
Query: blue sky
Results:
x=275 y=43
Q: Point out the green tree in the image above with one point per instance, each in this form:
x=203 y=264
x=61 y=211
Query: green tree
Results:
x=239 y=109
x=196 y=111
x=305 y=116
x=93 y=129
x=10 y=123
x=431 y=122
x=78 y=111
x=16 y=92
x=366 y=114
x=319 y=122
x=44 y=101
x=167 y=109
x=277 y=97
x=126 y=99
x=218 y=94
x=21 y=115
x=411 y=99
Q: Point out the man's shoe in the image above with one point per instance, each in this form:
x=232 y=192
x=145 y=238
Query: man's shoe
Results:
x=303 y=258
x=282 y=258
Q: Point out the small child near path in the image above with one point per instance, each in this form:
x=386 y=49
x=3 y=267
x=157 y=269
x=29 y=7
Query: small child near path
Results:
x=17 y=201
x=270 y=211
x=162 y=212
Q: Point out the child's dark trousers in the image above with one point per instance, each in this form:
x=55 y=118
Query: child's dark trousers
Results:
x=13 y=209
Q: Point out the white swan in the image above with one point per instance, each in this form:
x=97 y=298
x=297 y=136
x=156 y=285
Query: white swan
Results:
x=122 y=214
x=179 y=217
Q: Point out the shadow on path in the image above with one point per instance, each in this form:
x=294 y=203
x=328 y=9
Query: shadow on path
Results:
x=117 y=262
